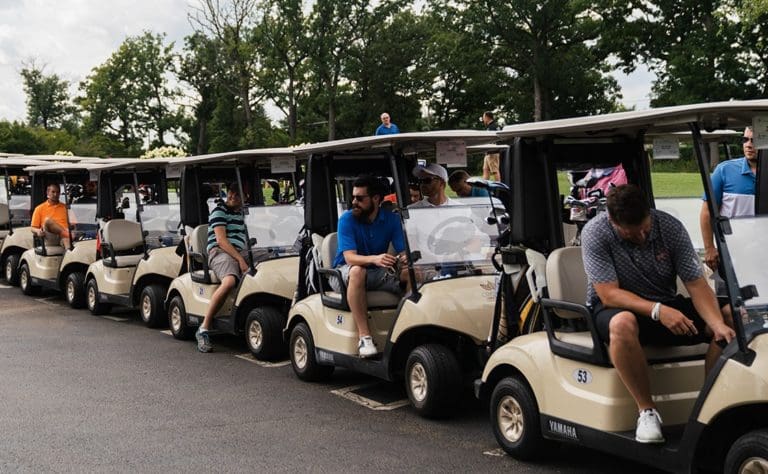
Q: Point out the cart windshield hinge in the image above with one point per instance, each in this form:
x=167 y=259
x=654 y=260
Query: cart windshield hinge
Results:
x=748 y=292
x=725 y=225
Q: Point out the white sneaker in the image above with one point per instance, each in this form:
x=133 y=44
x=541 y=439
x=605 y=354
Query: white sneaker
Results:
x=367 y=348
x=649 y=427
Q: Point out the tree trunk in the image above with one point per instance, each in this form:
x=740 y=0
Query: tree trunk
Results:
x=292 y=119
x=331 y=120
x=201 y=136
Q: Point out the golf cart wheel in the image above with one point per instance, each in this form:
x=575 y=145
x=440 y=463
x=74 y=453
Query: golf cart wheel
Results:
x=302 y=351
x=11 y=269
x=433 y=380
x=515 y=419
x=264 y=333
x=25 y=281
x=74 y=290
x=177 y=320
x=151 y=306
x=92 y=299
x=749 y=454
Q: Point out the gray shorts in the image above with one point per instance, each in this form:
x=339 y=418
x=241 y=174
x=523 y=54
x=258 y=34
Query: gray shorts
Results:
x=376 y=279
x=222 y=264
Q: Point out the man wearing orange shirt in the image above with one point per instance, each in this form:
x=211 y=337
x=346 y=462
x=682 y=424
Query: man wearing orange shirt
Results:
x=50 y=217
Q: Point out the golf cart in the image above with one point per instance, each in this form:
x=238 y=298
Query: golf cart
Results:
x=138 y=234
x=258 y=307
x=432 y=337
x=14 y=194
x=19 y=238
x=48 y=264
x=559 y=385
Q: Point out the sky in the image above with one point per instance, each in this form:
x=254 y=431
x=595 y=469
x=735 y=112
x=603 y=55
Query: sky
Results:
x=70 y=37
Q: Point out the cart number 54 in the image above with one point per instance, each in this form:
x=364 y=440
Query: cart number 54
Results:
x=582 y=376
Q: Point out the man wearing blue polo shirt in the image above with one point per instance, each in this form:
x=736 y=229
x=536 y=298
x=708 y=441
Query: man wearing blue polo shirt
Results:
x=364 y=234
x=387 y=127
x=733 y=187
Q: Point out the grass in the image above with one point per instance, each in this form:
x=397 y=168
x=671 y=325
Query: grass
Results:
x=664 y=184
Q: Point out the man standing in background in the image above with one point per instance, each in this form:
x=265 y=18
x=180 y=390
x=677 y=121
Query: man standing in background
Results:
x=491 y=160
x=387 y=127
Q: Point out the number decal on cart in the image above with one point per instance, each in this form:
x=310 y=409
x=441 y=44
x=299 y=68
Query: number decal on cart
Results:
x=582 y=376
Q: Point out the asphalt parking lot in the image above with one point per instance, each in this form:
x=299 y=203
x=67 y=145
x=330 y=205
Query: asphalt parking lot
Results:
x=84 y=393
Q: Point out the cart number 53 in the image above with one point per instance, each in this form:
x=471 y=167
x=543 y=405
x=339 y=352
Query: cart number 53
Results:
x=582 y=376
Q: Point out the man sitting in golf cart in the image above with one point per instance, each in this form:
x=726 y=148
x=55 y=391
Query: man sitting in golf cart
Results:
x=227 y=253
x=364 y=235
x=50 y=218
x=632 y=257
x=433 y=179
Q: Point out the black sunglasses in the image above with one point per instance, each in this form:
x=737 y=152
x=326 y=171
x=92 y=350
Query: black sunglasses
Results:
x=747 y=139
x=359 y=198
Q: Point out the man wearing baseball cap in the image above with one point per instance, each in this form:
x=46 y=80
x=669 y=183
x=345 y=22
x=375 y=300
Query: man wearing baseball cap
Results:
x=432 y=181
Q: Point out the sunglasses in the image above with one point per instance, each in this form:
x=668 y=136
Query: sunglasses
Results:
x=747 y=140
x=359 y=198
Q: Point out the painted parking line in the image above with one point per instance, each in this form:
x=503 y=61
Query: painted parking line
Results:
x=5 y=286
x=350 y=394
x=49 y=300
x=115 y=318
x=249 y=357
x=167 y=332
x=498 y=452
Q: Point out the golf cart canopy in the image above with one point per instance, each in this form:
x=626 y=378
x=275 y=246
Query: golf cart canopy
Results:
x=404 y=143
x=70 y=159
x=233 y=157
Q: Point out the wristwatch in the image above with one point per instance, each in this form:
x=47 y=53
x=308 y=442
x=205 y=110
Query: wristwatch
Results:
x=656 y=311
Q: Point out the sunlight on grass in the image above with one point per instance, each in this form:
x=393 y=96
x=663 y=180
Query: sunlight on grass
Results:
x=664 y=184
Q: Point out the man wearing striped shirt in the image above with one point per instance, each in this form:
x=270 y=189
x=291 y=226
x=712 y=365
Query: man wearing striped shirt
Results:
x=227 y=253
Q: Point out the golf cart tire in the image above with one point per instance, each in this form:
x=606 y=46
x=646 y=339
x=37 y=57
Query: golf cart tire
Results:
x=11 y=269
x=264 y=333
x=302 y=352
x=515 y=420
x=435 y=366
x=151 y=308
x=25 y=281
x=74 y=290
x=92 y=299
x=750 y=448
x=177 y=320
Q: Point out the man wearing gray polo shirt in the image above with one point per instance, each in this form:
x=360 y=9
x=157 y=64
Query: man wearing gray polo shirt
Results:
x=632 y=257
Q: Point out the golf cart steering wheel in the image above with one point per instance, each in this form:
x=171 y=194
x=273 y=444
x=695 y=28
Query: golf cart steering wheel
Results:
x=446 y=247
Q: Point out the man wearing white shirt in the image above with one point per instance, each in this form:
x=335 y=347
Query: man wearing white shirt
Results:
x=432 y=181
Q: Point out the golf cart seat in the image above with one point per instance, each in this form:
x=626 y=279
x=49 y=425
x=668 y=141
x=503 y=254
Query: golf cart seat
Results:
x=327 y=252
x=122 y=243
x=48 y=246
x=198 y=257
x=567 y=288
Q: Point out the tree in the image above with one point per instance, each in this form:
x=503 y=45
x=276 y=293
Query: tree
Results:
x=285 y=41
x=128 y=97
x=531 y=40
x=48 y=102
x=232 y=27
x=198 y=69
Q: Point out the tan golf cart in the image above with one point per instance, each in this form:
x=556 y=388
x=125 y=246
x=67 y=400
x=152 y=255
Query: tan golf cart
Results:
x=15 y=192
x=48 y=264
x=258 y=307
x=433 y=338
x=138 y=217
x=559 y=384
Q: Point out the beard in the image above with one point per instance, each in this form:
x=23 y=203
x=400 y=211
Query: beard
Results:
x=362 y=214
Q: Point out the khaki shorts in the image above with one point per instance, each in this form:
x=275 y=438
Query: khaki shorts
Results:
x=222 y=264
x=491 y=161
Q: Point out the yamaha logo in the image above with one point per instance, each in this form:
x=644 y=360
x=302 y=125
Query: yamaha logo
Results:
x=564 y=430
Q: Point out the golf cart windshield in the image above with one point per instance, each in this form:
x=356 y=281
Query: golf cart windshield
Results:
x=452 y=240
x=18 y=204
x=746 y=245
x=275 y=228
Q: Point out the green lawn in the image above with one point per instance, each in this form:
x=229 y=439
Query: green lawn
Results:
x=664 y=184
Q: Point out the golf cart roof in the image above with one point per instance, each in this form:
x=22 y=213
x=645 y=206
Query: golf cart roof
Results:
x=664 y=120
x=134 y=164
x=70 y=166
x=62 y=158
x=487 y=148
x=234 y=156
x=407 y=142
x=19 y=162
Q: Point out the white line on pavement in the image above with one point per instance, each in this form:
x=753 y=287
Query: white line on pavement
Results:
x=348 y=393
x=167 y=332
x=498 y=452
x=249 y=357
x=115 y=318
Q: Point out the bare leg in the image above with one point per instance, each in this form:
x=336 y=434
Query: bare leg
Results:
x=217 y=299
x=53 y=227
x=629 y=359
x=356 y=299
